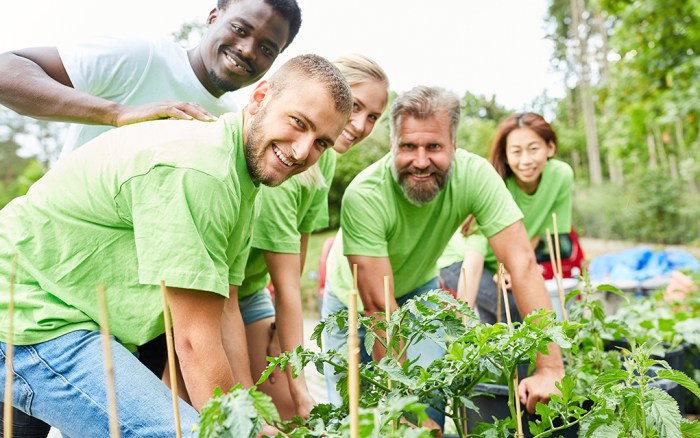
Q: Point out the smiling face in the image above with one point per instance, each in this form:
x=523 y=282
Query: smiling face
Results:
x=369 y=101
x=240 y=45
x=423 y=151
x=286 y=133
x=526 y=154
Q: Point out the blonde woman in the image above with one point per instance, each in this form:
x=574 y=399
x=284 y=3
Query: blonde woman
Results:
x=288 y=214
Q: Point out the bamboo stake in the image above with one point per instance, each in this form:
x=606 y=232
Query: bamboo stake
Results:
x=463 y=409
x=510 y=327
x=109 y=365
x=464 y=287
x=387 y=313
x=557 y=278
x=499 y=300
x=556 y=245
x=9 y=352
x=387 y=316
x=353 y=361
x=171 y=357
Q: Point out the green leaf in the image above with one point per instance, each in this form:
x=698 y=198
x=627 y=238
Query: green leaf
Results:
x=690 y=428
x=680 y=378
x=606 y=431
x=610 y=376
x=662 y=413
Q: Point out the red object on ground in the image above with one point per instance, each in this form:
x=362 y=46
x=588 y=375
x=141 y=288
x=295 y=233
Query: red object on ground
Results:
x=572 y=256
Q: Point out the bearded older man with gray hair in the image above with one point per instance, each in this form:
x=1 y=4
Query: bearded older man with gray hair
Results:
x=398 y=215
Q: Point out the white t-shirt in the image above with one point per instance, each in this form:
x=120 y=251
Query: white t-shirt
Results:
x=133 y=72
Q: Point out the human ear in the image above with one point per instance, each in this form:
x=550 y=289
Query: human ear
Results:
x=259 y=97
x=213 y=15
x=551 y=149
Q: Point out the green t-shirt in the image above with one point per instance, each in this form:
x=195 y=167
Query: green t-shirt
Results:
x=459 y=244
x=377 y=220
x=285 y=213
x=554 y=195
x=163 y=200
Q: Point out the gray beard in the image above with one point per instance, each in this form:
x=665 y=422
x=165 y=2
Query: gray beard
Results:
x=420 y=194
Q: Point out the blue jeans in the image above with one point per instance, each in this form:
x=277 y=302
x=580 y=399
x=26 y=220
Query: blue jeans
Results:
x=427 y=350
x=62 y=382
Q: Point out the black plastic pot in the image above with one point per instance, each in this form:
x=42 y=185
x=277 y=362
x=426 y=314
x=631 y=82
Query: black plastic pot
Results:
x=495 y=404
x=692 y=363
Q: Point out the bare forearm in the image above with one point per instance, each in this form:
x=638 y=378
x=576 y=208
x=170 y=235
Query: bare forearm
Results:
x=534 y=296
x=27 y=89
x=290 y=328
x=472 y=268
x=204 y=368
x=235 y=343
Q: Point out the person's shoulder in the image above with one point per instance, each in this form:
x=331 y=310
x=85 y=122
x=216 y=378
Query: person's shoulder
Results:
x=464 y=159
x=468 y=166
x=560 y=168
x=371 y=184
x=373 y=176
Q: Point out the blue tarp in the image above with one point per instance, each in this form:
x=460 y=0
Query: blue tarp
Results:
x=639 y=264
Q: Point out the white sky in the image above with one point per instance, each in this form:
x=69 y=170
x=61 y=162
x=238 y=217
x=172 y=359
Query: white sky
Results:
x=485 y=46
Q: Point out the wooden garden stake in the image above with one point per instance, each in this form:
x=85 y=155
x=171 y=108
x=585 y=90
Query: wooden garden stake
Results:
x=109 y=365
x=463 y=409
x=464 y=287
x=9 y=352
x=387 y=317
x=510 y=327
x=557 y=277
x=499 y=300
x=353 y=361
x=171 y=357
x=556 y=245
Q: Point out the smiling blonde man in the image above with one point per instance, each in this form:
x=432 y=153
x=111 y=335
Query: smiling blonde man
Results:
x=161 y=200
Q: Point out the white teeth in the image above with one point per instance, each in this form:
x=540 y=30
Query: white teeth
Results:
x=349 y=137
x=280 y=156
x=421 y=175
x=233 y=61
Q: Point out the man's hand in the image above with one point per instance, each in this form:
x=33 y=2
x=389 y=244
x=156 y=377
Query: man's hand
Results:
x=429 y=424
x=161 y=110
x=678 y=288
x=506 y=279
x=539 y=386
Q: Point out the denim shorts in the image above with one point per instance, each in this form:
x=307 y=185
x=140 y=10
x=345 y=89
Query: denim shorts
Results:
x=256 y=307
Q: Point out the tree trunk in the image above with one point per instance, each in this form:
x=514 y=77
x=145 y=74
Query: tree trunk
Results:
x=587 y=107
x=651 y=147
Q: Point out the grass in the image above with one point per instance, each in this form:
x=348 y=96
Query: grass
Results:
x=309 y=278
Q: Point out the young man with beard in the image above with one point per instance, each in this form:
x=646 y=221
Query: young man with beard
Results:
x=161 y=200
x=109 y=82
x=398 y=215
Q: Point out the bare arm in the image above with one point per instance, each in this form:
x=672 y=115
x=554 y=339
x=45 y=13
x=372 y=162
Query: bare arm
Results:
x=234 y=339
x=512 y=247
x=34 y=83
x=468 y=287
x=370 y=282
x=285 y=270
x=196 y=317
